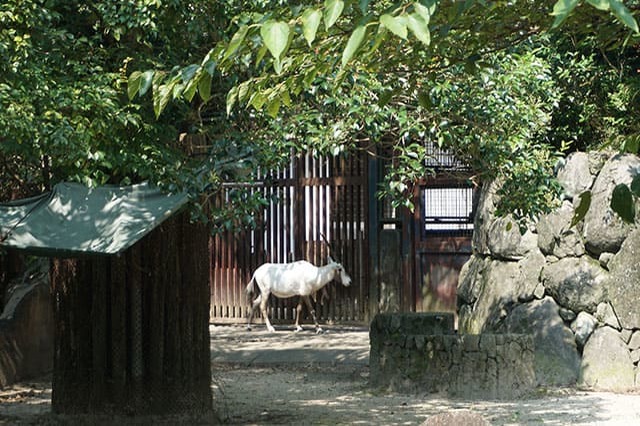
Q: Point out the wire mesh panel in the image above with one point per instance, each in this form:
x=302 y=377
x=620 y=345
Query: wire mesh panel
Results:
x=443 y=241
x=313 y=203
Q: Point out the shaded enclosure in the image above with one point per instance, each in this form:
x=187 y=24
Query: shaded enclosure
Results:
x=132 y=330
x=399 y=260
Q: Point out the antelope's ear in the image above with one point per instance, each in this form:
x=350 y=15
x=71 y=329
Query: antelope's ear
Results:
x=329 y=259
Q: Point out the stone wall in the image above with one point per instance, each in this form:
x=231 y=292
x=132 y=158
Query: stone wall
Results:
x=575 y=289
x=421 y=353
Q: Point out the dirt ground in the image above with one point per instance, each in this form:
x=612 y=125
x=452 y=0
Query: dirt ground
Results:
x=289 y=378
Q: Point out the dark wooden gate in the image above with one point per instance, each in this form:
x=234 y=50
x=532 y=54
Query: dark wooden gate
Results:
x=312 y=199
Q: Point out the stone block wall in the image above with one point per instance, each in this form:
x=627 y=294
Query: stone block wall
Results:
x=422 y=353
x=574 y=287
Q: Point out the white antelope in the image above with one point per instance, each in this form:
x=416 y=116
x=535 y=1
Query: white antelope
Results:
x=299 y=278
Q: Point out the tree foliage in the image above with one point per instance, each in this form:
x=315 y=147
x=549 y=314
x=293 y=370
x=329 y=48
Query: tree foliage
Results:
x=486 y=80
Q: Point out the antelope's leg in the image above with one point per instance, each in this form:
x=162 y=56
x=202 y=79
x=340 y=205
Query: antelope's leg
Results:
x=263 y=309
x=252 y=311
x=298 y=313
x=313 y=313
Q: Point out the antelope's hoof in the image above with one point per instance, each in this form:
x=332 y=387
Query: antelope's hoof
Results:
x=298 y=328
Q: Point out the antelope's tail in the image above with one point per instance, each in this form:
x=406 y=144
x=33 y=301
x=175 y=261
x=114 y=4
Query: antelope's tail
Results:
x=251 y=286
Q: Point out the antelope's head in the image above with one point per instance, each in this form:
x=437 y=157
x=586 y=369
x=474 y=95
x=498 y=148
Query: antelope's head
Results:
x=339 y=274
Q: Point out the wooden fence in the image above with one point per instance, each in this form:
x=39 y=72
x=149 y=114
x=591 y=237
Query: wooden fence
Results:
x=311 y=200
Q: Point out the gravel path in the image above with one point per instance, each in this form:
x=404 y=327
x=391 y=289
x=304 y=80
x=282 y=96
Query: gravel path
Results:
x=289 y=378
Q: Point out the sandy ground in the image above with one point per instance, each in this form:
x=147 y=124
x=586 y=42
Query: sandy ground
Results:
x=289 y=378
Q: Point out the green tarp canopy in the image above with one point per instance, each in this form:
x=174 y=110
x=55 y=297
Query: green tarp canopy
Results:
x=74 y=220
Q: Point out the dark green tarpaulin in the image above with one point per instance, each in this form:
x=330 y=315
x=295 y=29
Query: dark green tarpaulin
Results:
x=73 y=219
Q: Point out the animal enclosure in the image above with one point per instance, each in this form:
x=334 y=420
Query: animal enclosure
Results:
x=318 y=200
x=312 y=201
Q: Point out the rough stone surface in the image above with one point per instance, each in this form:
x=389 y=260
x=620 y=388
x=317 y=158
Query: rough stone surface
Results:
x=582 y=327
x=604 y=230
x=468 y=291
x=567 y=314
x=470 y=366
x=506 y=242
x=606 y=362
x=484 y=218
x=575 y=283
x=574 y=175
x=606 y=316
x=605 y=259
x=623 y=284
x=556 y=357
x=634 y=341
x=557 y=237
x=500 y=285
x=591 y=268
x=597 y=160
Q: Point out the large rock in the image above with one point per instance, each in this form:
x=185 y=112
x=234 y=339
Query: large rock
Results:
x=604 y=230
x=470 y=275
x=623 y=283
x=499 y=285
x=557 y=237
x=484 y=218
x=505 y=240
x=556 y=356
x=574 y=175
x=606 y=362
x=576 y=283
x=583 y=327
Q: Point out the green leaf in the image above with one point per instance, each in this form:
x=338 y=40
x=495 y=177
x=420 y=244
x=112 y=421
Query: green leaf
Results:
x=364 y=5
x=622 y=203
x=310 y=22
x=232 y=97
x=631 y=144
x=419 y=27
x=332 y=11
x=622 y=13
x=583 y=207
x=161 y=97
x=424 y=100
x=354 y=42
x=424 y=11
x=257 y=100
x=277 y=65
x=273 y=107
x=599 y=4
x=561 y=11
x=146 y=82
x=133 y=84
x=235 y=42
x=204 y=87
x=635 y=186
x=395 y=24
x=187 y=73
x=191 y=88
x=385 y=97
x=275 y=35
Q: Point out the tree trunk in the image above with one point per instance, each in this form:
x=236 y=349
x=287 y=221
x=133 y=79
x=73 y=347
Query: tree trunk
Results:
x=132 y=331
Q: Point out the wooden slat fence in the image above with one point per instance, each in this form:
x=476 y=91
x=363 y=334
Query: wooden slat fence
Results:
x=310 y=200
